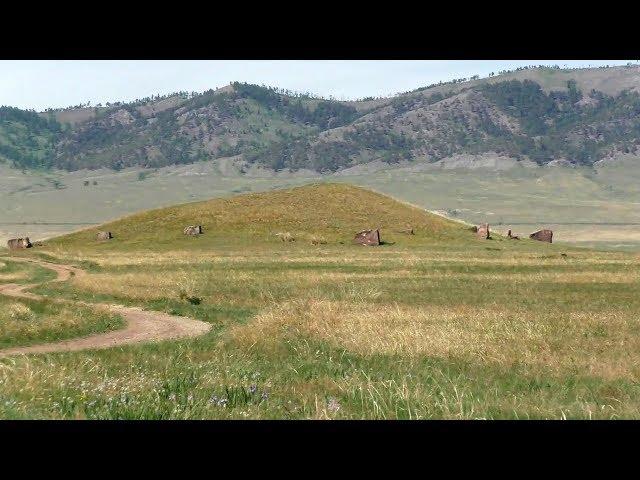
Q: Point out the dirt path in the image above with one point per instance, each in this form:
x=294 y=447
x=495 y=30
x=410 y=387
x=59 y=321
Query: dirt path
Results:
x=142 y=326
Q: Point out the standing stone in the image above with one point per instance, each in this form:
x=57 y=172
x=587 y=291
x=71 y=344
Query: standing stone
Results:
x=483 y=231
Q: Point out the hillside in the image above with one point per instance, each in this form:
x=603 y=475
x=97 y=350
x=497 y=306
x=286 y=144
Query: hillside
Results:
x=26 y=138
x=331 y=212
x=544 y=115
x=426 y=328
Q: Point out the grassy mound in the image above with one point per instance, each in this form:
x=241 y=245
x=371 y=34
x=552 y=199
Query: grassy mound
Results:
x=329 y=213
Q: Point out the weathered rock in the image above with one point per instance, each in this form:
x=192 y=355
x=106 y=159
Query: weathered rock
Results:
x=101 y=236
x=542 y=236
x=193 y=230
x=483 y=231
x=16 y=243
x=367 y=237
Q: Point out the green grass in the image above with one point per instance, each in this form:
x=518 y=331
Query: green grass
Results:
x=334 y=212
x=22 y=273
x=442 y=325
x=540 y=197
x=27 y=322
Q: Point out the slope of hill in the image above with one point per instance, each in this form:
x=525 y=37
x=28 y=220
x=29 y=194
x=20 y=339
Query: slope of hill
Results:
x=581 y=204
x=421 y=329
x=577 y=116
x=26 y=138
x=330 y=212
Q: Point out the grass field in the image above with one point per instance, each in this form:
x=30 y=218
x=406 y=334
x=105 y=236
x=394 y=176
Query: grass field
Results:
x=591 y=207
x=27 y=322
x=435 y=325
x=14 y=272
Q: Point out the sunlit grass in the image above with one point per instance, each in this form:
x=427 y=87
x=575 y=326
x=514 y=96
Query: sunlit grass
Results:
x=437 y=328
x=27 y=322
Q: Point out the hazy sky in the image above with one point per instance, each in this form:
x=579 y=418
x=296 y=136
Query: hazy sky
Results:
x=60 y=83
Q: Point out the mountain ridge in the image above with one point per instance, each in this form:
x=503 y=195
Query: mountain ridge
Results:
x=544 y=115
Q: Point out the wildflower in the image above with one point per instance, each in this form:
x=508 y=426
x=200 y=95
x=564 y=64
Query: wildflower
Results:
x=214 y=399
x=253 y=389
x=264 y=396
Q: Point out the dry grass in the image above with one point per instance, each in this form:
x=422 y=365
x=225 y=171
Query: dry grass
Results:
x=365 y=333
x=332 y=211
x=586 y=341
x=424 y=328
x=27 y=322
x=8 y=277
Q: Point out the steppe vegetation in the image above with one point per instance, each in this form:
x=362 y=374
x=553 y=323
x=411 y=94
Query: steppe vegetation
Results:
x=433 y=325
x=25 y=322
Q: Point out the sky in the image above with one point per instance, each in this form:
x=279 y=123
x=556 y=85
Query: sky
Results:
x=40 y=84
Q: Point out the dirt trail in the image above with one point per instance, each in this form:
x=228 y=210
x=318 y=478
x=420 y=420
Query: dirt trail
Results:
x=142 y=326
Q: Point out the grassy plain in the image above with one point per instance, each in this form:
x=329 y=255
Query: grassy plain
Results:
x=435 y=325
x=590 y=207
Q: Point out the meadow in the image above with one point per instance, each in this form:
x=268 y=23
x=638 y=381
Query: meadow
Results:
x=595 y=207
x=27 y=322
x=438 y=324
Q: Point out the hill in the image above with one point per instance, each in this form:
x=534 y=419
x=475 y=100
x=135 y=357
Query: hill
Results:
x=26 y=138
x=576 y=116
x=331 y=212
x=426 y=328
